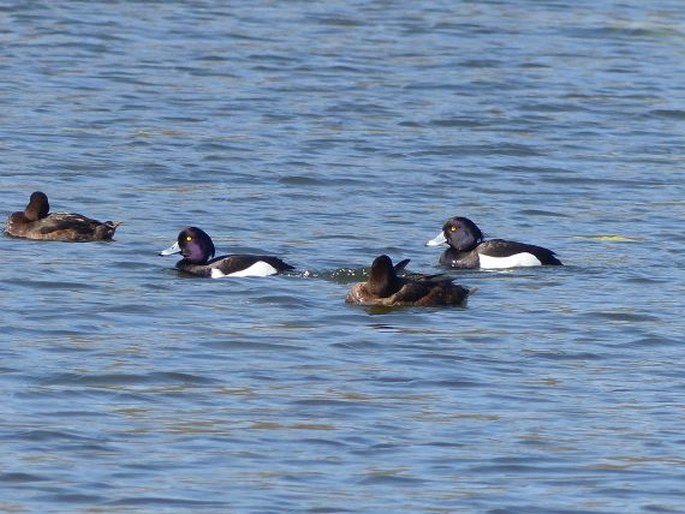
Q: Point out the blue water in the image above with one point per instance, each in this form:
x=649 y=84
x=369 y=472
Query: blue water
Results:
x=329 y=133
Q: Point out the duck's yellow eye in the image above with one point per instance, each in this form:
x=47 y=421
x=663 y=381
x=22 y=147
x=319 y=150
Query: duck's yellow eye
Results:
x=453 y=228
x=189 y=238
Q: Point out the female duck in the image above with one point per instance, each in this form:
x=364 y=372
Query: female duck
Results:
x=35 y=222
x=197 y=249
x=468 y=250
x=385 y=288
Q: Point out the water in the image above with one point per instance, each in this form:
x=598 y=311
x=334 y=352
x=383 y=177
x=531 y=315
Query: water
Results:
x=330 y=133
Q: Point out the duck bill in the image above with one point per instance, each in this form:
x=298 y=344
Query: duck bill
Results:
x=438 y=240
x=174 y=248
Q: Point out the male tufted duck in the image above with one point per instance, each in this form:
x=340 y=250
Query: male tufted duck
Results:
x=197 y=249
x=35 y=222
x=385 y=288
x=468 y=250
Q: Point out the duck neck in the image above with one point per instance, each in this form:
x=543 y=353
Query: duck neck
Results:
x=36 y=210
x=385 y=286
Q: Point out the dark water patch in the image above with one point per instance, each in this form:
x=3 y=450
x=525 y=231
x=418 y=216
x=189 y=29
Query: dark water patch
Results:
x=327 y=510
x=506 y=149
x=359 y=344
x=250 y=345
x=627 y=33
x=22 y=478
x=650 y=342
x=481 y=63
x=338 y=21
x=164 y=502
x=328 y=404
x=554 y=107
x=124 y=379
x=299 y=180
x=564 y=355
x=48 y=334
x=591 y=508
x=624 y=317
x=462 y=122
x=534 y=170
x=537 y=213
x=668 y=114
x=446 y=444
x=50 y=284
x=514 y=468
x=131 y=308
x=389 y=478
x=72 y=498
x=293 y=302
x=56 y=436
x=86 y=395
x=446 y=384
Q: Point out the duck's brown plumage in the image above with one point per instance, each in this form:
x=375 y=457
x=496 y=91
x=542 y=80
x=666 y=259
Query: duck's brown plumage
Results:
x=385 y=288
x=35 y=222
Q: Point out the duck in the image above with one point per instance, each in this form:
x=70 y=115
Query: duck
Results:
x=384 y=287
x=197 y=249
x=36 y=222
x=467 y=250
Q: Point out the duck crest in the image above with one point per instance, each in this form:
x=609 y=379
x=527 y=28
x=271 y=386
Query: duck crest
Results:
x=383 y=281
x=196 y=245
x=38 y=206
x=462 y=234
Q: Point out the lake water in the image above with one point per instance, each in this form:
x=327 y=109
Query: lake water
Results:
x=329 y=133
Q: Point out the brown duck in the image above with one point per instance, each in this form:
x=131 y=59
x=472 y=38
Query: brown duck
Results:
x=36 y=222
x=385 y=288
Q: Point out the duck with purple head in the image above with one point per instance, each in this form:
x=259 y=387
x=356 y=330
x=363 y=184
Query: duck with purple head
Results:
x=197 y=249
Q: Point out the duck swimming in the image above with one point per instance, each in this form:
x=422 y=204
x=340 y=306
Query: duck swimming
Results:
x=197 y=249
x=467 y=249
x=385 y=288
x=36 y=222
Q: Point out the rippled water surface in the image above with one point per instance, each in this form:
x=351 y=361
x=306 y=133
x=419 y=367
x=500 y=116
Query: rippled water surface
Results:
x=329 y=133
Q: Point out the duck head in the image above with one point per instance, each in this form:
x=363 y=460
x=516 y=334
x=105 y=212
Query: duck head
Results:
x=38 y=206
x=193 y=244
x=383 y=280
x=462 y=234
